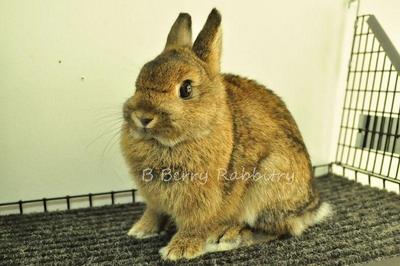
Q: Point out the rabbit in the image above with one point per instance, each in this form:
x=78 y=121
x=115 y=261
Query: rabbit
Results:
x=218 y=155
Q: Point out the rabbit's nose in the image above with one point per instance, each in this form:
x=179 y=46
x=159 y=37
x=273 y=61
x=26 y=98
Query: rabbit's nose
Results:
x=145 y=120
x=142 y=119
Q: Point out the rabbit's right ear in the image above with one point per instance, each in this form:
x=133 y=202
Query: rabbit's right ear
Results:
x=208 y=44
x=180 y=33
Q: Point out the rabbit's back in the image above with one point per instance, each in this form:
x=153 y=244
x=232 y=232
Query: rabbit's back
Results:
x=259 y=114
x=267 y=141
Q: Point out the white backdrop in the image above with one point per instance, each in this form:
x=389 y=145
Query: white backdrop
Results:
x=66 y=67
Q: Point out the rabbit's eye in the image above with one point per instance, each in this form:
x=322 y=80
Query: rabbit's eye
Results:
x=185 y=90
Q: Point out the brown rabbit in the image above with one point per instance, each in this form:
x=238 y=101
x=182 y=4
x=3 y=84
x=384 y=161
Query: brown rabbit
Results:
x=217 y=154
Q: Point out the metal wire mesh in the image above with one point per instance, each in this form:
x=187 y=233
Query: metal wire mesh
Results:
x=369 y=140
x=19 y=206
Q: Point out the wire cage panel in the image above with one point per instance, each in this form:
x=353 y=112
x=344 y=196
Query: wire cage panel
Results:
x=369 y=142
x=70 y=202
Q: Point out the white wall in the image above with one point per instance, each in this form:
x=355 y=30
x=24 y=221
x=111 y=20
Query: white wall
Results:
x=66 y=67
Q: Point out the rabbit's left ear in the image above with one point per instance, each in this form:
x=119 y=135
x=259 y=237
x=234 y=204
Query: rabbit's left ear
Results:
x=208 y=44
x=180 y=33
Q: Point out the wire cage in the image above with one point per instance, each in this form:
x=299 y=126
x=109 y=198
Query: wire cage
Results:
x=65 y=201
x=369 y=139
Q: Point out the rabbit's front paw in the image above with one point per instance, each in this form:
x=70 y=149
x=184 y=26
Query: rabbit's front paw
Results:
x=143 y=230
x=183 y=248
x=232 y=235
x=230 y=239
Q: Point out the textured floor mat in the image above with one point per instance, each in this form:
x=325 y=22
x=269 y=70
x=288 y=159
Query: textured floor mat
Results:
x=366 y=226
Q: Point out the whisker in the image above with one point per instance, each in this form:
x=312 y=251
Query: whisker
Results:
x=115 y=141
x=108 y=121
x=108 y=131
x=108 y=117
x=108 y=144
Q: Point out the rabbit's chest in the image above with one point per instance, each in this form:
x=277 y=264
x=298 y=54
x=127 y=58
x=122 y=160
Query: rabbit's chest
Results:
x=167 y=191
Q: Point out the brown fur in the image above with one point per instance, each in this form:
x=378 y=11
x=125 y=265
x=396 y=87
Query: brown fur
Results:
x=230 y=125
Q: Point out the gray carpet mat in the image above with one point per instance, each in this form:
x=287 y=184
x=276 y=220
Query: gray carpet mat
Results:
x=366 y=227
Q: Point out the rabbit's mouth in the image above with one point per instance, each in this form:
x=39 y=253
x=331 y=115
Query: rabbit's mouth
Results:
x=141 y=133
x=168 y=140
x=151 y=133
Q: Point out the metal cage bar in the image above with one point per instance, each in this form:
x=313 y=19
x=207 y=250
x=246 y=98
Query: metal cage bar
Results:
x=369 y=138
x=67 y=199
x=326 y=168
x=385 y=41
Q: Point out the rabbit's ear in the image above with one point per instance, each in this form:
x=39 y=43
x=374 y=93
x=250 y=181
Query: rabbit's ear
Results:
x=208 y=44
x=180 y=33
